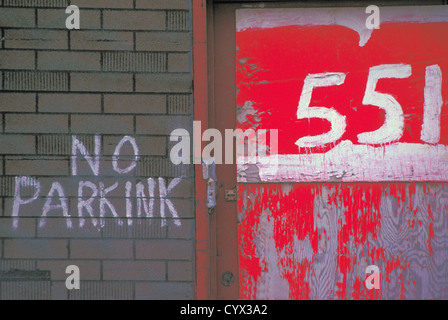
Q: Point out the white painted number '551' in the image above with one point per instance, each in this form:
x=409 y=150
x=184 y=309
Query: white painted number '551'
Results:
x=393 y=126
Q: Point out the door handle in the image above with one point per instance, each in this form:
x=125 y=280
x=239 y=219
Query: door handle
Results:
x=209 y=174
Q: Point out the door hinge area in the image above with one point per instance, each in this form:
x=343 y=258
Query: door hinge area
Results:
x=230 y=195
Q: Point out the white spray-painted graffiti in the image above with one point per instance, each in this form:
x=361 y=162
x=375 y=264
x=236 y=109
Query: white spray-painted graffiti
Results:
x=91 y=195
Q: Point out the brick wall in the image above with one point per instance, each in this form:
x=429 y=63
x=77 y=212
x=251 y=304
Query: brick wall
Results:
x=126 y=72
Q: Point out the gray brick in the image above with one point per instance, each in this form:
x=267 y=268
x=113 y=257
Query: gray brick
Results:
x=105 y=4
x=55 y=18
x=134 y=61
x=101 y=82
x=141 y=228
x=180 y=271
x=104 y=290
x=179 y=62
x=11 y=265
x=36 y=39
x=177 y=20
x=16 y=17
x=17 y=102
x=25 y=290
x=36 y=3
x=164 y=291
x=15 y=59
x=35 y=249
x=164 y=249
x=134 y=20
x=184 y=189
x=17 y=144
x=179 y=104
x=102 y=40
x=169 y=83
x=101 y=249
x=184 y=208
x=59 y=290
x=73 y=61
x=36 y=123
x=134 y=270
x=54 y=144
x=35 y=167
x=184 y=231
x=163 y=125
x=163 y=41
x=69 y=103
x=105 y=124
x=148 y=146
x=7 y=186
x=88 y=270
x=35 y=81
x=162 y=167
x=25 y=229
x=165 y=4
x=135 y=103
x=56 y=226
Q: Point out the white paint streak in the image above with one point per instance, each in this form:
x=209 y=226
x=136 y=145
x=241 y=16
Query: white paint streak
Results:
x=352 y=18
x=163 y=200
x=129 y=202
x=56 y=187
x=433 y=105
x=116 y=155
x=87 y=204
x=105 y=202
x=392 y=129
x=18 y=201
x=349 y=162
x=142 y=202
x=94 y=163
x=304 y=111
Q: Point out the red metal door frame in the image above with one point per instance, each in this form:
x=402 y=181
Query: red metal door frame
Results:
x=200 y=96
x=206 y=275
x=216 y=248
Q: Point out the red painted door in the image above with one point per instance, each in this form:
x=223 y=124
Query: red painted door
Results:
x=359 y=175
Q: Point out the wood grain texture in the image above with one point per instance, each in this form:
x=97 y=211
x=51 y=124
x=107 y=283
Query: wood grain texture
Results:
x=314 y=241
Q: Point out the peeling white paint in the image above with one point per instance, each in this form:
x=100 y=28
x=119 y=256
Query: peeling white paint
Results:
x=433 y=105
x=56 y=187
x=352 y=18
x=350 y=162
x=338 y=122
x=392 y=129
x=18 y=201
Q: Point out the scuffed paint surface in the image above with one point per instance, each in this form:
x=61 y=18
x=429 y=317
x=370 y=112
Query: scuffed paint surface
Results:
x=310 y=227
x=279 y=49
x=314 y=241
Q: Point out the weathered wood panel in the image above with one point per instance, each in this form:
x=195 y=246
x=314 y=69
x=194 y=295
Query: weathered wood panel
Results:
x=358 y=176
x=314 y=241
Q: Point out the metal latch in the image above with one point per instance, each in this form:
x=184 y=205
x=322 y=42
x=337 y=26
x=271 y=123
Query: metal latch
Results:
x=208 y=173
x=230 y=195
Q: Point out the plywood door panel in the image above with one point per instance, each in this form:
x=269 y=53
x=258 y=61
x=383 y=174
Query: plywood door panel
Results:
x=314 y=241
x=310 y=225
